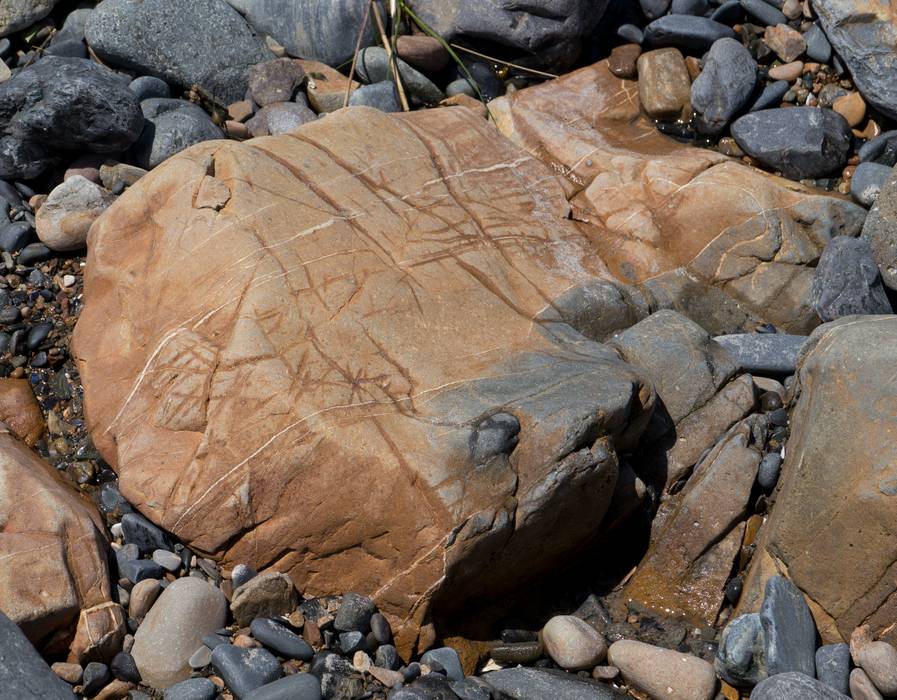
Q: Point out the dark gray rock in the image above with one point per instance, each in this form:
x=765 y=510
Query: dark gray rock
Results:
x=280 y=118
x=724 y=86
x=244 y=670
x=461 y=86
x=354 y=614
x=867 y=182
x=740 y=655
x=373 y=67
x=382 y=96
x=387 y=656
x=771 y=96
x=794 y=686
x=124 y=668
x=689 y=7
x=628 y=32
x=768 y=473
x=818 y=46
x=654 y=8
x=96 y=676
x=523 y=683
x=788 y=629
x=763 y=353
x=801 y=142
x=136 y=570
x=448 y=659
x=301 y=686
x=241 y=574
x=381 y=629
x=882 y=149
x=139 y=531
x=172 y=40
x=73 y=26
x=281 y=640
x=18 y=14
x=69 y=48
x=833 y=666
x=546 y=33
x=864 y=40
x=730 y=13
x=192 y=689
x=763 y=13
x=23 y=673
x=350 y=642
x=471 y=689
x=171 y=126
x=147 y=86
x=63 y=104
x=847 y=281
x=880 y=231
x=686 y=32
x=324 y=31
x=15 y=236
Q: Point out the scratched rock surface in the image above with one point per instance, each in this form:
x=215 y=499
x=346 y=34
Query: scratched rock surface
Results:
x=51 y=546
x=317 y=352
x=690 y=223
x=831 y=528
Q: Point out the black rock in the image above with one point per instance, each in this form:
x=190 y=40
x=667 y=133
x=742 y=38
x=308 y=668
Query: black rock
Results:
x=124 y=668
x=730 y=13
x=788 y=628
x=5 y=47
x=213 y=640
x=867 y=181
x=687 y=32
x=350 y=642
x=171 y=126
x=763 y=13
x=15 y=236
x=882 y=149
x=526 y=683
x=833 y=666
x=244 y=670
x=763 y=353
x=768 y=472
x=386 y=656
x=381 y=629
x=490 y=86
x=448 y=659
x=148 y=537
x=382 y=95
x=170 y=39
x=471 y=689
x=689 y=7
x=354 y=614
x=192 y=689
x=654 y=8
x=802 y=142
x=147 y=86
x=34 y=252
x=23 y=673
x=281 y=640
x=96 y=676
x=38 y=334
x=630 y=33
x=242 y=573
x=733 y=589
x=771 y=96
x=301 y=686
x=63 y=104
x=136 y=570
x=70 y=48
x=794 y=686
x=725 y=85
x=847 y=281
x=818 y=47
x=434 y=686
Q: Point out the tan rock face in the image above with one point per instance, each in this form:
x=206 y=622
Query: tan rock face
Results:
x=19 y=410
x=48 y=531
x=362 y=342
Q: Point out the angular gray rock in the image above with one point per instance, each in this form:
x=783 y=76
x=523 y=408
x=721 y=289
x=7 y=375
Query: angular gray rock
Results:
x=864 y=36
x=18 y=14
x=762 y=353
x=311 y=29
x=867 y=181
x=63 y=104
x=174 y=40
x=794 y=686
x=802 y=142
x=788 y=629
x=171 y=126
x=23 y=673
x=524 y=683
x=245 y=670
x=724 y=86
x=833 y=666
x=373 y=67
x=882 y=149
x=847 y=281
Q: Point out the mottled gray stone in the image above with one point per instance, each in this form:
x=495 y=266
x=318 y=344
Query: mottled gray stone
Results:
x=847 y=281
x=373 y=67
x=788 y=629
x=381 y=95
x=724 y=86
x=687 y=32
x=818 y=46
x=867 y=182
x=794 y=686
x=880 y=231
x=18 y=14
x=171 y=126
x=762 y=12
x=762 y=353
x=523 y=683
x=833 y=666
x=23 y=673
x=740 y=657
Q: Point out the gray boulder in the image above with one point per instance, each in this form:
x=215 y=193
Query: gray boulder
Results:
x=724 y=86
x=833 y=666
x=523 y=683
x=801 y=142
x=880 y=231
x=867 y=182
x=864 y=37
x=794 y=686
x=18 y=14
x=63 y=104
x=547 y=33
x=171 y=126
x=205 y=43
x=763 y=353
x=23 y=673
x=847 y=281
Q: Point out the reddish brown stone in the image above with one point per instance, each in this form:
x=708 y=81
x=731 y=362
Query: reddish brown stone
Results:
x=19 y=410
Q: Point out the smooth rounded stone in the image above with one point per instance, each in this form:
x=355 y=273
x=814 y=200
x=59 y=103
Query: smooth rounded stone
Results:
x=173 y=629
x=794 y=686
x=448 y=659
x=171 y=39
x=786 y=43
x=244 y=670
x=788 y=629
x=15 y=236
x=882 y=149
x=524 y=683
x=852 y=107
x=19 y=14
x=763 y=13
x=687 y=32
x=275 y=81
x=623 y=61
x=354 y=613
x=724 y=86
x=861 y=687
x=387 y=657
x=266 y=595
x=280 y=118
x=143 y=595
x=192 y=689
x=867 y=181
x=167 y=560
x=147 y=86
x=763 y=353
x=241 y=574
x=171 y=126
x=213 y=640
x=69 y=48
x=877 y=658
x=663 y=673
x=664 y=86
x=517 y=652
x=833 y=666
x=381 y=629
x=373 y=67
x=461 y=86
x=573 y=643
x=423 y=52
x=351 y=642
x=471 y=689
x=381 y=95
x=801 y=142
x=630 y=33
x=63 y=104
x=689 y=7
x=201 y=657
x=64 y=219
x=137 y=570
x=654 y=8
x=787 y=71
x=847 y=281
x=23 y=673
x=730 y=12
x=281 y=640
x=124 y=668
x=95 y=676
x=70 y=673
x=818 y=47
x=300 y=686
x=768 y=473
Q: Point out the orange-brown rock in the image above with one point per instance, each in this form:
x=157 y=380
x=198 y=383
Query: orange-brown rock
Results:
x=364 y=388
x=99 y=634
x=19 y=410
x=52 y=547
x=325 y=86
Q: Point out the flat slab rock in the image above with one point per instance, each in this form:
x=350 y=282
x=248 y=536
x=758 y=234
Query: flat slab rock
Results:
x=524 y=683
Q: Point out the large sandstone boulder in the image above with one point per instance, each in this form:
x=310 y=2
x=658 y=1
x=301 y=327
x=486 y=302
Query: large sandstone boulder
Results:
x=342 y=338
x=830 y=530
x=721 y=242
x=51 y=545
